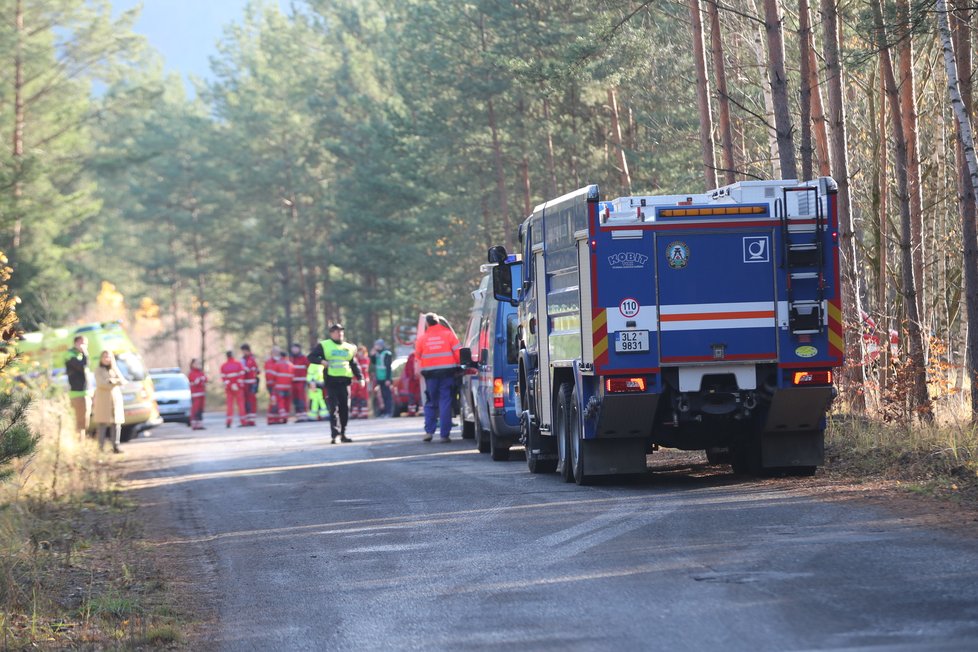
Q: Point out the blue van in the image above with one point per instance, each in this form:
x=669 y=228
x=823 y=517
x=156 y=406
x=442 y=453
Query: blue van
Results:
x=489 y=389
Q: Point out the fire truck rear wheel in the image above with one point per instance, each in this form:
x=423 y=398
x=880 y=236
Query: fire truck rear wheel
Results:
x=576 y=443
x=562 y=432
x=531 y=438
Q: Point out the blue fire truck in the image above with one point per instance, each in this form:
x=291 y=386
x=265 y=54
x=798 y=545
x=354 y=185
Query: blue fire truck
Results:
x=699 y=322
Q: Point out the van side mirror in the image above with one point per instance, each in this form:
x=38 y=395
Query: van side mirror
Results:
x=465 y=357
x=502 y=283
x=484 y=356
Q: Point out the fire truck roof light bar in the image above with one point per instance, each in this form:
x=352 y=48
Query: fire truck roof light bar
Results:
x=702 y=211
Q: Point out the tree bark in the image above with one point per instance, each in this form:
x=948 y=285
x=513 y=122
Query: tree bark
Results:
x=497 y=161
x=497 y=158
x=703 y=97
x=838 y=141
x=626 y=178
x=959 y=70
x=908 y=109
x=920 y=401
x=818 y=111
x=723 y=100
x=306 y=287
x=805 y=101
x=772 y=134
x=779 y=89
x=883 y=186
x=551 y=158
x=18 y=133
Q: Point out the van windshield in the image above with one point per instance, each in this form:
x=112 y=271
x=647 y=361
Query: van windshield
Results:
x=512 y=340
x=131 y=366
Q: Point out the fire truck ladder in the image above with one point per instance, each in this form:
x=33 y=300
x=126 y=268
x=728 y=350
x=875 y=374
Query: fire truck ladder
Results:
x=802 y=235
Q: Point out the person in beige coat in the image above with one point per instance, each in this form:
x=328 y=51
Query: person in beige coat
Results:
x=107 y=413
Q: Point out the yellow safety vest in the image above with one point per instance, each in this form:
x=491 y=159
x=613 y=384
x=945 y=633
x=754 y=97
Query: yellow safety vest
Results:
x=314 y=374
x=337 y=358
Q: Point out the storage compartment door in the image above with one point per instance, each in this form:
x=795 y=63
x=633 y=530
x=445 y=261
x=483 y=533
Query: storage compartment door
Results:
x=716 y=297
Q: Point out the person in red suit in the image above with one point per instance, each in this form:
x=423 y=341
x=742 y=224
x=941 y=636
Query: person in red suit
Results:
x=412 y=384
x=300 y=364
x=283 y=387
x=252 y=372
x=359 y=394
x=271 y=382
x=232 y=373
x=198 y=394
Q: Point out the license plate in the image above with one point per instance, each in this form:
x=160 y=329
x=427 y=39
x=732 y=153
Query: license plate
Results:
x=631 y=342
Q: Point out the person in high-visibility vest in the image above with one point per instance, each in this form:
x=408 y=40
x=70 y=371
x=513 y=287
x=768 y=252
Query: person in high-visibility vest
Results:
x=315 y=384
x=437 y=353
x=341 y=368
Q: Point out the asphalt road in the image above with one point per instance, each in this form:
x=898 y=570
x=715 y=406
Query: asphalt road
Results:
x=389 y=543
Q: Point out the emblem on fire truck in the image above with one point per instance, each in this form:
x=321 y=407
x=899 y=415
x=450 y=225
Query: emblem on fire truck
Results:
x=677 y=254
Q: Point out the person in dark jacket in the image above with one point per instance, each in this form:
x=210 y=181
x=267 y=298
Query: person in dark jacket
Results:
x=380 y=365
x=339 y=359
x=76 y=368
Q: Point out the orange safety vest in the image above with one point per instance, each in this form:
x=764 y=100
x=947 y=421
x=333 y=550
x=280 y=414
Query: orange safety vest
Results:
x=437 y=348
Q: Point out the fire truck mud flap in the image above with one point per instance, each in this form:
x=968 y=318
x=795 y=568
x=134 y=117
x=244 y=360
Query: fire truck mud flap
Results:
x=792 y=449
x=798 y=408
x=794 y=433
x=614 y=456
x=626 y=416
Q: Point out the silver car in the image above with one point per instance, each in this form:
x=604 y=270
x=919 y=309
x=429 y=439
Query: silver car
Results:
x=172 y=392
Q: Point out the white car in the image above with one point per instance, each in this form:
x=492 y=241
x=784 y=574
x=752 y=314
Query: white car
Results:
x=172 y=393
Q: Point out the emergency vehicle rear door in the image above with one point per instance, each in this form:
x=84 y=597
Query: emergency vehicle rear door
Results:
x=716 y=296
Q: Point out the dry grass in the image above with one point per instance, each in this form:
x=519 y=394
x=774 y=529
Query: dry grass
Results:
x=74 y=573
x=939 y=458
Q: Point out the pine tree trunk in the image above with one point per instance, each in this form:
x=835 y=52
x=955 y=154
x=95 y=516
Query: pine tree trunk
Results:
x=779 y=89
x=959 y=70
x=908 y=109
x=772 y=134
x=497 y=159
x=703 y=97
x=838 y=140
x=497 y=162
x=306 y=287
x=551 y=157
x=818 y=111
x=920 y=401
x=287 y=305
x=805 y=100
x=626 y=179
x=884 y=237
x=18 y=132
x=723 y=100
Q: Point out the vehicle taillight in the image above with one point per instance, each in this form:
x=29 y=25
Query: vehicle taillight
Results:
x=812 y=378
x=497 y=392
x=619 y=385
